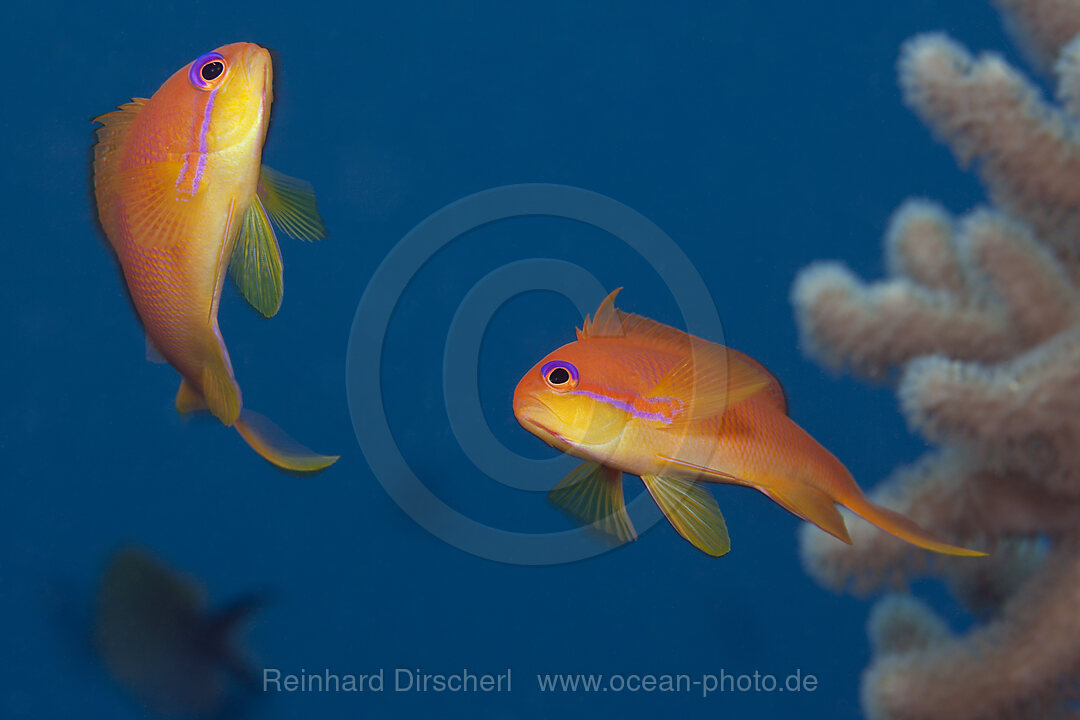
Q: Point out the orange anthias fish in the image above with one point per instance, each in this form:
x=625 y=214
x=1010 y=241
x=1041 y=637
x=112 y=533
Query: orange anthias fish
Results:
x=633 y=395
x=183 y=197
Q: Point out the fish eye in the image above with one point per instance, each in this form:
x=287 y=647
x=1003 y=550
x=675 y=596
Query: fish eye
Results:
x=560 y=375
x=206 y=69
x=211 y=70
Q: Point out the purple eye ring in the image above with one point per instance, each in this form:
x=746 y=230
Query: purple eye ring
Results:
x=206 y=69
x=560 y=374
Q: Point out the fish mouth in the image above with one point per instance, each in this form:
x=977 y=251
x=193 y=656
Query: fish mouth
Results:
x=530 y=415
x=534 y=415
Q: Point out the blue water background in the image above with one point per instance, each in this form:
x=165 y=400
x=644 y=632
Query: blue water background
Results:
x=760 y=136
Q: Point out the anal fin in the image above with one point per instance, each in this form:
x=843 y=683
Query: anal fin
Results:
x=811 y=505
x=188 y=399
x=593 y=494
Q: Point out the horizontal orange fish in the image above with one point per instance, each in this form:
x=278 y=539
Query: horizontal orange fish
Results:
x=183 y=197
x=632 y=395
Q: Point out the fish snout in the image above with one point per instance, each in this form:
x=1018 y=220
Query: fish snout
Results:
x=258 y=67
x=530 y=411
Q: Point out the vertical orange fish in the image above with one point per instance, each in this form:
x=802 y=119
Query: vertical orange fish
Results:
x=633 y=395
x=183 y=197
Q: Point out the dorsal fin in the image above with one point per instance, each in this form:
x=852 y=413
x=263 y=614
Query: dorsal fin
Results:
x=609 y=321
x=114 y=130
x=605 y=322
x=110 y=136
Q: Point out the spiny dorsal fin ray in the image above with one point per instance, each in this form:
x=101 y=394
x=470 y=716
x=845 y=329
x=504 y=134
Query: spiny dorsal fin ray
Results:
x=593 y=494
x=605 y=322
x=290 y=203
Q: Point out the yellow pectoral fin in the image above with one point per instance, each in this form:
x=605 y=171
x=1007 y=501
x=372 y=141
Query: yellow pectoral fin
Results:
x=692 y=511
x=256 y=261
x=593 y=494
x=275 y=446
x=291 y=205
x=145 y=204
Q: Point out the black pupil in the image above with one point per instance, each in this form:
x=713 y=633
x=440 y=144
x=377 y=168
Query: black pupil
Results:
x=559 y=376
x=211 y=70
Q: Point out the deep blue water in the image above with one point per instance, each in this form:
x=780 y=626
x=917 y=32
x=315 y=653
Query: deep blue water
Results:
x=759 y=136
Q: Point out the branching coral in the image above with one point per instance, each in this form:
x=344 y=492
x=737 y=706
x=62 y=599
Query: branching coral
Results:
x=979 y=325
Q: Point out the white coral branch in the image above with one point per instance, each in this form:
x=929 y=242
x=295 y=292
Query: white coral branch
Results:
x=1036 y=291
x=1015 y=667
x=982 y=317
x=1022 y=415
x=952 y=495
x=919 y=245
x=988 y=112
x=978 y=293
x=872 y=328
x=1042 y=27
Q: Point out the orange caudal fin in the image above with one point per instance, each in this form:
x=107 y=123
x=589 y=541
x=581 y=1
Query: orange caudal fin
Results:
x=904 y=527
x=276 y=447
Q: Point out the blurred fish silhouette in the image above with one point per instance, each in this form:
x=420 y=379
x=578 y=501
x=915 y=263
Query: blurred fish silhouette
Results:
x=182 y=196
x=633 y=395
x=158 y=640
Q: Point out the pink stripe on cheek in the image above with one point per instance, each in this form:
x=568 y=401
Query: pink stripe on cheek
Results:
x=200 y=165
x=202 y=140
x=625 y=406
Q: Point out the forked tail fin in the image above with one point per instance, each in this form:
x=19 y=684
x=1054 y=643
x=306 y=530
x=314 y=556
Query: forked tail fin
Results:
x=276 y=447
x=903 y=527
